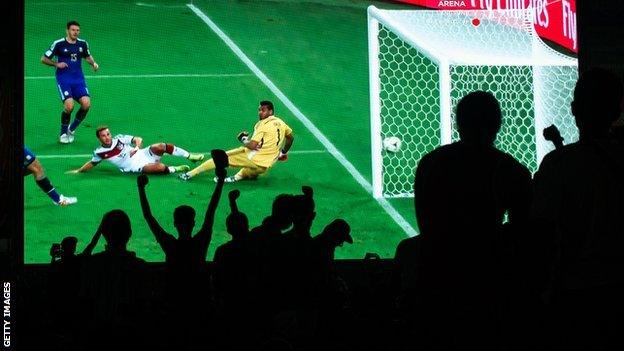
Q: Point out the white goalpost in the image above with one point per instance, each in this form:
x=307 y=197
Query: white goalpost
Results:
x=422 y=62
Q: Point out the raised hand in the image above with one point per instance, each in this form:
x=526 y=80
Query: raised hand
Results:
x=553 y=135
x=243 y=137
x=282 y=156
x=220 y=158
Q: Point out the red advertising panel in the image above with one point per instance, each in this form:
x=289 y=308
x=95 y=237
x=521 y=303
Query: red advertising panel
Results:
x=554 y=20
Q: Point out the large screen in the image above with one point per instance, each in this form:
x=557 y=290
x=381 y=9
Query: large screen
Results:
x=192 y=75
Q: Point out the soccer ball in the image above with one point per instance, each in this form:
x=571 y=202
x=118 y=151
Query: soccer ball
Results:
x=392 y=144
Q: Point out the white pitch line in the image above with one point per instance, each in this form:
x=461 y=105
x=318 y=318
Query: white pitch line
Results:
x=159 y=6
x=184 y=75
x=392 y=212
x=295 y=152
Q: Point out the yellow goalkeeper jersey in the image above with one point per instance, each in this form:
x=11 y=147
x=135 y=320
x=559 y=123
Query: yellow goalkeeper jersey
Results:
x=270 y=134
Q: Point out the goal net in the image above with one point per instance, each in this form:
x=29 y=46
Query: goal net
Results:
x=423 y=62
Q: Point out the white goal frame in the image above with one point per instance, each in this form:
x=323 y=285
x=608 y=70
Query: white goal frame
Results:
x=536 y=57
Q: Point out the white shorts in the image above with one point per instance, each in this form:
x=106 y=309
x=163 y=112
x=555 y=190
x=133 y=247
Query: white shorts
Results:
x=139 y=160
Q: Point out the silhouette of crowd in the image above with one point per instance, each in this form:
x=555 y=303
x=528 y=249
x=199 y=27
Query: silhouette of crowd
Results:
x=504 y=260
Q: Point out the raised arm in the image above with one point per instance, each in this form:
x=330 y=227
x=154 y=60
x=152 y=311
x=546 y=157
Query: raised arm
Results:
x=89 y=249
x=156 y=229
x=232 y=196
x=221 y=161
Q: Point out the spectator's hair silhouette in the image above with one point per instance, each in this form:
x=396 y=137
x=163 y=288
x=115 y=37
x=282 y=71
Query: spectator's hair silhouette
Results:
x=236 y=222
x=303 y=213
x=116 y=229
x=282 y=211
x=336 y=233
x=184 y=220
x=478 y=118
x=68 y=245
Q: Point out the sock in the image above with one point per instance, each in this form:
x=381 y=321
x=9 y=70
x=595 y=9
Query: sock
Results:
x=170 y=169
x=80 y=116
x=47 y=188
x=176 y=151
x=65 y=118
x=206 y=166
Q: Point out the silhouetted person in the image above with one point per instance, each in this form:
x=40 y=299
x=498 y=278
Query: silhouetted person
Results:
x=188 y=252
x=112 y=290
x=462 y=192
x=268 y=245
x=303 y=214
x=579 y=199
x=297 y=244
x=235 y=278
x=187 y=277
x=404 y=275
x=232 y=260
x=326 y=283
x=64 y=283
x=331 y=294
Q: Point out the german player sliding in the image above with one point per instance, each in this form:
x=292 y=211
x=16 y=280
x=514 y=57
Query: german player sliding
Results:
x=125 y=152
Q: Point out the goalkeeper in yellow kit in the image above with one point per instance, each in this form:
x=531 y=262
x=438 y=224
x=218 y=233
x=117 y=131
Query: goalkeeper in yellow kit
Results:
x=270 y=142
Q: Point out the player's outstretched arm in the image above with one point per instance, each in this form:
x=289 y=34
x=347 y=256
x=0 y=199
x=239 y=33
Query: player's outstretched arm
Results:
x=157 y=230
x=221 y=161
x=96 y=237
x=85 y=168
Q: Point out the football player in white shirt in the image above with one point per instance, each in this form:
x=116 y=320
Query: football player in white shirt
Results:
x=125 y=152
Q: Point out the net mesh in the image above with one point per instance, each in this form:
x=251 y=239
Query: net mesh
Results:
x=532 y=82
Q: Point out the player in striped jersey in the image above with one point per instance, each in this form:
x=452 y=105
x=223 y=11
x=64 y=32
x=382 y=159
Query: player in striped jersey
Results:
x=70 y=80
x=125 y=152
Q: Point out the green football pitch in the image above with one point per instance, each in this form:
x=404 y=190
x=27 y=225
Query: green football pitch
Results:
x=166 y=75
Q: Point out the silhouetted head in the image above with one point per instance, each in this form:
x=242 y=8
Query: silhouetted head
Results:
x=282 y=210
x=479 y=118
x=597 y=101
x=237 y=224
x=337 y=232
x=184 y=220
x=303 y=209
x=116 y=229
x=68 y=246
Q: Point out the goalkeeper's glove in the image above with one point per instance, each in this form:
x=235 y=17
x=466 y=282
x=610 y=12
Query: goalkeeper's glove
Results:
x=243 y=137
x=283 y=156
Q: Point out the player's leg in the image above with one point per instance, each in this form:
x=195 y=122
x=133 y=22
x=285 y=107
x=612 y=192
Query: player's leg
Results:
x=68 y=107
x=162 y=148
x=247 y=173
x=82 y=94
x=236 y=158
x=33 y=166
x=147 y=161
x=161 y=168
